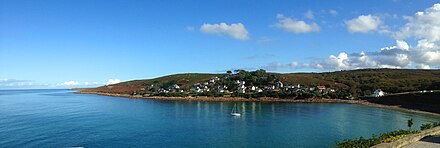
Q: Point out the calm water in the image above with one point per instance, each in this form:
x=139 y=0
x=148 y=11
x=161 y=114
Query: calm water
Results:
x=58 y=118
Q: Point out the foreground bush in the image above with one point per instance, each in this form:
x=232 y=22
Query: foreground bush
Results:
x=429 y=125
x=385 y=137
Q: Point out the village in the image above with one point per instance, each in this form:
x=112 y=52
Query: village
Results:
x=259 y=85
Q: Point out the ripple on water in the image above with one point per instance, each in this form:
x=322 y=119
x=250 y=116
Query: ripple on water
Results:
x=62 y=119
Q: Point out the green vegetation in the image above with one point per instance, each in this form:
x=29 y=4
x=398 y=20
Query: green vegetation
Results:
x=351 y=84
x=429 y=125
x=185 y=81
x=364 y=82
x=362 y=142
x=385 y=137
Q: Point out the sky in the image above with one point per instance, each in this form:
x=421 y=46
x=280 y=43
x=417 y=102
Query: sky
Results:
x=89 y=43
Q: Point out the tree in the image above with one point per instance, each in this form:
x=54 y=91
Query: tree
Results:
x=410 y=123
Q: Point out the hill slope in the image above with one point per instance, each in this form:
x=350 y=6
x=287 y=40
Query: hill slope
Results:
x=357 y=82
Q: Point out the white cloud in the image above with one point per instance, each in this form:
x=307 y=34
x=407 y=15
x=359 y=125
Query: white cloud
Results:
x=402 y=45
x=309 y=14
x=333 y=12
x=113 y=81
x=295 y=26
x=292 y=65
x=363 y=23
x=69 y=83
x=423 y=66
x=401 y=55
x=423 y=25
x=236 y=31
x=91 y=83
x=13 y=82
x=76 y=84
x=3 y=80
x=426 y=52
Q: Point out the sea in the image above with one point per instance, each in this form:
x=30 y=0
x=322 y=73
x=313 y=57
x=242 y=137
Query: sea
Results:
x=61 y=118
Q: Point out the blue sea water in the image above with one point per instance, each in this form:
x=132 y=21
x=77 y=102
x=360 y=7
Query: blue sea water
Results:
x=59 y=118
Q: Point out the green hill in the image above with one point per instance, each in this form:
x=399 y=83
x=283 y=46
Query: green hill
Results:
x=357 y=82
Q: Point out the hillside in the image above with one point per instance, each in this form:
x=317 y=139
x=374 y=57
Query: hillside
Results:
x=429 y=102
x=184 y=80
x=356 y=82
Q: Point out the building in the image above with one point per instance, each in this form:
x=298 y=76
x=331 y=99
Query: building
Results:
x=196 y=89
x=175 y=86
x=242 y=90
x=378 y=93
x=253 y=88
x=279 y=84
x=270 y=87
x=321 y=88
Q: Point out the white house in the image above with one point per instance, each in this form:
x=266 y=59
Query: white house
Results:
x=196 y=89
x=162 y=90
x=242 y=90
x=378 y=93
x=279 y=84
x=253 y=88
x=271 y=87
x=176 y=86
x=214 y=79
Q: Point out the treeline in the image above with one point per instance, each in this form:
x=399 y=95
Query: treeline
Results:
x=274 y=94
x=365 y=82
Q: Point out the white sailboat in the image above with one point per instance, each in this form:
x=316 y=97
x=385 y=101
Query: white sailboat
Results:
x=235 y=111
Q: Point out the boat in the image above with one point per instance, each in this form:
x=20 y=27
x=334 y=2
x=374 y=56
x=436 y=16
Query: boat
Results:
x=235 y=111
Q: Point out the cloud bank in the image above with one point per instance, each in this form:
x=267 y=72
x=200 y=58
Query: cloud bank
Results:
x=425 y=54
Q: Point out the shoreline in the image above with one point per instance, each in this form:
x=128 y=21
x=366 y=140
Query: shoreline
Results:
x=263 y=99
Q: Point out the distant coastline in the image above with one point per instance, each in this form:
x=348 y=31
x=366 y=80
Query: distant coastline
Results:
x=415 y=90
x=264 y=99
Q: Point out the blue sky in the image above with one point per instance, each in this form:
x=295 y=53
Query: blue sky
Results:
x=62 y=44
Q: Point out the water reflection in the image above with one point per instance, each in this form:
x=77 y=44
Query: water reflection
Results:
x=96 y=121
x=338 y=116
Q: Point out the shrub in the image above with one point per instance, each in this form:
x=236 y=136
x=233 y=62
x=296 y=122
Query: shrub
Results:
x=385 y=137
x=426 y=126
x=429 y=125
